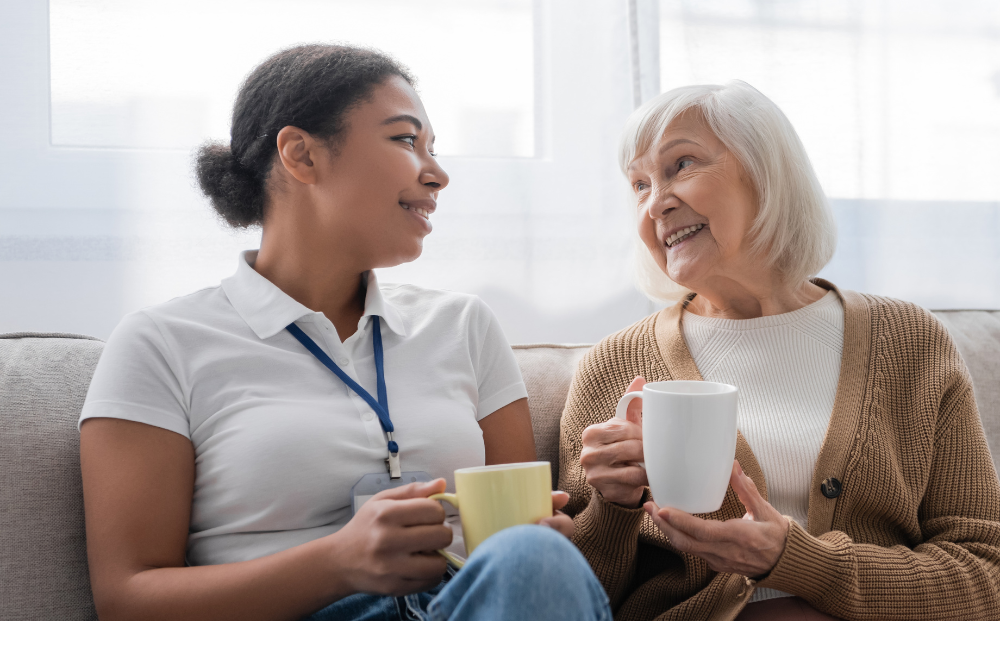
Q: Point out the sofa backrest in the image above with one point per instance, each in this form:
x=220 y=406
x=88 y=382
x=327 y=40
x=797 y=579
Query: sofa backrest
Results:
x=43 y=549
x=547 y=370
x=43 y=382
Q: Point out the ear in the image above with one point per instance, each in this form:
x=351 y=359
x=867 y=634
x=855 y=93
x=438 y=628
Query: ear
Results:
x=295 y=150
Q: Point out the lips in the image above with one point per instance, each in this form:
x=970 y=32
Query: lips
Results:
x=683 y=234
x=423 y=212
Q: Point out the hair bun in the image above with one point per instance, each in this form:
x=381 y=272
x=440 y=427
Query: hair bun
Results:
x=234 y=191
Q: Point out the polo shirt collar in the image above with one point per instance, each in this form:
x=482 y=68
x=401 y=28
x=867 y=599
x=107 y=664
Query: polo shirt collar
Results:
x=267 y=310
x=376 y=305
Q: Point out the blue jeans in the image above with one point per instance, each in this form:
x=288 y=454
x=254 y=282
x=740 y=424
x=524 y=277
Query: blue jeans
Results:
x=525 y=573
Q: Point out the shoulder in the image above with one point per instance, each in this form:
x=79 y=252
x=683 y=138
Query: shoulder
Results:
x=204 y=305
x=422 y=306
x=628 y=347
x=405 y=294
x=610 y=366
x=898 y=324
x=908 y=343
x=193 y=314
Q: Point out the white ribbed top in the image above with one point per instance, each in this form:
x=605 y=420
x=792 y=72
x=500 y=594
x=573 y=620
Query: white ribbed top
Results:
x=787 y=368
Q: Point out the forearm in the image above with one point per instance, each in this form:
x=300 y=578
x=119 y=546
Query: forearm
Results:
x=957 y=579
x=286 y=585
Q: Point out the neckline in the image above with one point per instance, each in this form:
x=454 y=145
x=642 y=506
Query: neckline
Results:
x=828 y=300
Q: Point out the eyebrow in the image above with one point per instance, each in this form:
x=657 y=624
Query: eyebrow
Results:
x=668 y=146
x=404 y=118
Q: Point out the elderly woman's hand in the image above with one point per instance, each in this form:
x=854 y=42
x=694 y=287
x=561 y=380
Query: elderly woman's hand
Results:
x=750 y=546
x=611 y=454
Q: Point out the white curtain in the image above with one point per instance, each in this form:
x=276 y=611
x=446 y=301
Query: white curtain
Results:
x=898 y=104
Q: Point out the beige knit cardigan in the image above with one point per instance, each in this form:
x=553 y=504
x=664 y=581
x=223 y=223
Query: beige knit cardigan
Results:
x=915 y=530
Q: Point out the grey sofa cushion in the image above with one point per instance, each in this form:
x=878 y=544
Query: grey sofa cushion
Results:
x=43 y=550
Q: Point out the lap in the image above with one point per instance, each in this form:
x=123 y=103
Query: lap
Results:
x=525 y=572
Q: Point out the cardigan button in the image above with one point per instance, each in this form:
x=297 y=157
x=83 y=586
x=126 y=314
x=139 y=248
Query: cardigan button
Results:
x=830 y=487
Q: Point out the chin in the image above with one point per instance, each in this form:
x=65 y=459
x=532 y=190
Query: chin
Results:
x=403 y=256
x=685 y=277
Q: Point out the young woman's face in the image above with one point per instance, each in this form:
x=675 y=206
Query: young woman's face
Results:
x=380 y=180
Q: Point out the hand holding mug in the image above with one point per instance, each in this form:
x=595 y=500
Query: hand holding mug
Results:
x=612 y=455
x=750 y=546
x=492 y=498
x=389 y=547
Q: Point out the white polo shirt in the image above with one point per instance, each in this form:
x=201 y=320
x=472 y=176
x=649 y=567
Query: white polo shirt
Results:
x=279 y=440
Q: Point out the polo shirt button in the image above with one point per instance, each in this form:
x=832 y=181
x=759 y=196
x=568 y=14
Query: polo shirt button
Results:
x=830 y=487
x=343 y=361
x=368 y=416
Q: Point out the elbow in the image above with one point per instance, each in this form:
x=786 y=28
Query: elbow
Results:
x=118 y=600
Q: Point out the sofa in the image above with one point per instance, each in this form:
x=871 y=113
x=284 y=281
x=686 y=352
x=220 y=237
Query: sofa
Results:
x=43 y=382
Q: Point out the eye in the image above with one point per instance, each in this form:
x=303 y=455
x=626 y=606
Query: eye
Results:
x=684 y=162
x=410 y=139
x=639 y=186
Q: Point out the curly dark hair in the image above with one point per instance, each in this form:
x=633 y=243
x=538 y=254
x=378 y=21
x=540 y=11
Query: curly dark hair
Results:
x=311 y=87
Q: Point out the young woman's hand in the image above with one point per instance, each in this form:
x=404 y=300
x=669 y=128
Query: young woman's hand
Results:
x=750 y=546
x=559 y=521
x=611 y=452
x=390 y=546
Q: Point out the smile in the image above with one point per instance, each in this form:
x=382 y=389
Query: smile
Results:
x=683 y=234
x=423 y=212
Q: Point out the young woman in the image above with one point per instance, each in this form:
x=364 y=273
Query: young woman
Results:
x=224 y=431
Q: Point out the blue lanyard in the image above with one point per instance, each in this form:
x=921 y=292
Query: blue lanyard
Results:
x=380 y=406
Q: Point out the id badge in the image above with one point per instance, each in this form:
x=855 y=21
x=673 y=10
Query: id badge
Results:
x=376 y=482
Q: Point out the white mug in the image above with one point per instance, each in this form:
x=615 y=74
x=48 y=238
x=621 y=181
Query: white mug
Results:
x=688 y=441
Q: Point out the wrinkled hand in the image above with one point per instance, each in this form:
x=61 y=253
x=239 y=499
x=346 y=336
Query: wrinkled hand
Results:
x=559 y=521
x=611 y=452
x=389 y=547
x=750 y=546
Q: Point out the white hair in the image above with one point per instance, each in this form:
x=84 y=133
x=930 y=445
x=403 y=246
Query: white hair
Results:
x=794 y=230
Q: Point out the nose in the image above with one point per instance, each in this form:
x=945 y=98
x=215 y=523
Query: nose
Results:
x=661 y=202
x=434 y=176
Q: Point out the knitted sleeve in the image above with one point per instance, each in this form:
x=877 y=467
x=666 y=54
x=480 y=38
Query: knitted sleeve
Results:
x=952 y=573
x=606 y=533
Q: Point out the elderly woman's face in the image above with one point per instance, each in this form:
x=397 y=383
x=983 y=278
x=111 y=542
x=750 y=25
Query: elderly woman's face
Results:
x=695 y=205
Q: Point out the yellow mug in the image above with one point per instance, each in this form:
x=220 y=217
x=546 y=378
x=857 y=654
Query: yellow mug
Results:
x=491 y=498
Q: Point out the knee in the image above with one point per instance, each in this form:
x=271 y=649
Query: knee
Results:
x=527 y=572
x=531 y=549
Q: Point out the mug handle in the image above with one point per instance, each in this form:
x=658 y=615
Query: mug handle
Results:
x=621 y=412
x=452 y=499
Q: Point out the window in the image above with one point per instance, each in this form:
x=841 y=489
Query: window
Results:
x=898 y=104
x=164 y=73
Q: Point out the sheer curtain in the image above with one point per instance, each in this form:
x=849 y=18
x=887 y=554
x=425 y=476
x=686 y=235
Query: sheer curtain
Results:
x=898 y=104
x=527 y=98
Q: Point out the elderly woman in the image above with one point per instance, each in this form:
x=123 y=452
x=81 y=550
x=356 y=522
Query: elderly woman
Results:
x=863 y=487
